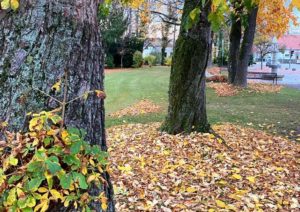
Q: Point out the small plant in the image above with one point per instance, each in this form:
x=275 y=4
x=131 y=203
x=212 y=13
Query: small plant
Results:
x=150 y=60
x=47 y=165
x=50 y=163
x=168 y=61
x=137 y=59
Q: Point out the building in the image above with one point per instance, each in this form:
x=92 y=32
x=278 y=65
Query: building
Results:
x=289 y=48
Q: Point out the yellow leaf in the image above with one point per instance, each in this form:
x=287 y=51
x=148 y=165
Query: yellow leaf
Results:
x=20 y=193
x=237 y=176
x=12 y=198
x=14 y=4
x=55 y=194
x=84 y=170
x=251 y=179
x=30 y=202
x=5 y=4
x=43 y=206
x=191 y=189
x=42 y=190
x=56 y=86
x=13 y=161
x=220 y=204
x=126 y=168
x=91 y=178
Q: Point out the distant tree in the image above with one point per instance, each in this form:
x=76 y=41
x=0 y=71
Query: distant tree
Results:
x=264 y=46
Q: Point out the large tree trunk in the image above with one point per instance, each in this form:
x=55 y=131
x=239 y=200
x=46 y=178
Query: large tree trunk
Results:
x=38 y=43
x=246 y=49
x=187 y=99
x=234 y=49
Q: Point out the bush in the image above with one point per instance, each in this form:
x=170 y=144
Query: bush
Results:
x=168 y=61
x=157 y=57
x=109 y=61
x=150 y=60
x=48 y=165
x=137 y=59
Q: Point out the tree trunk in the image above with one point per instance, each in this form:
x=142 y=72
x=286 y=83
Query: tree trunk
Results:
x=163 y=55
x=246 y=49
x=261 y=62
x=234 y=49
x=38 y=42
x=187 y=97
x=210 y=58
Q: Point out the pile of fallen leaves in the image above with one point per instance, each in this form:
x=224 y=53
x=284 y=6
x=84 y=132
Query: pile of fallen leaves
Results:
x=224 y=89
x=265 y=88
x=155 y=171
x=214 y=70
x=142 y=107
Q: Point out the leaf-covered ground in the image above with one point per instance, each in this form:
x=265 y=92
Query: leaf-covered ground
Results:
x=159 y=172
x=224 y=89
x=143 y=107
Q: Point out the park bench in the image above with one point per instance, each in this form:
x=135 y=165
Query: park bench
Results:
x=264 y=76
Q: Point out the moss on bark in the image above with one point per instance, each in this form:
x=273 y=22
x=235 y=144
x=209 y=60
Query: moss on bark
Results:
x=187 y=97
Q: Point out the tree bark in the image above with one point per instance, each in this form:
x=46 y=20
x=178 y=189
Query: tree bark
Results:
x=38 y=43
x=210 y=58
x=187 y=96
x=234 y=49
x=246 y=49
x=163 y=55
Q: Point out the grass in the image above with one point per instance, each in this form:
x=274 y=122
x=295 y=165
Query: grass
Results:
x=275 y=112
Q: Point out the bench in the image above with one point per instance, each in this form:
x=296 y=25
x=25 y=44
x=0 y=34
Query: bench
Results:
x=264 y=76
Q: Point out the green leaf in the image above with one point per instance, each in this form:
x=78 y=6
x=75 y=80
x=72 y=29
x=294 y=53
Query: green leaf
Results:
x=53 y=164
x=65 y=181
x=30 y=202
x=27 y=210
x=81 y=179
x=194 y=14
x=34 y=184
x=71 y=160
x=47 y=141
x=34 y=166
x=75 y=147
x=14 y=179
x=22 y=203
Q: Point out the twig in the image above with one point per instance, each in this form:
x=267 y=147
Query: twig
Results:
x=47 y=95
x=79 y=97
x=64 y=103
x=211 y=131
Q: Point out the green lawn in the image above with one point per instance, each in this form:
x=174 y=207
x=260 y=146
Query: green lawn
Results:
x=277 y=112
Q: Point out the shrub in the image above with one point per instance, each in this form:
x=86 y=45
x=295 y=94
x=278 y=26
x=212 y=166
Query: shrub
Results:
x=49 y=164
x=109 y=61
x=157 y=57
x=168 y=61
x=137 y=59
x=150 y=60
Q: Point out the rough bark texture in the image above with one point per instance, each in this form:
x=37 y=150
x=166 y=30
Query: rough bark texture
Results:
x=38 y=42
x=234 y=49
x=187 y=98
x=246 y=49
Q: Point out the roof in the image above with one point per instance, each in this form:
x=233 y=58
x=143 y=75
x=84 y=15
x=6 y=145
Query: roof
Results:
x=290 y=42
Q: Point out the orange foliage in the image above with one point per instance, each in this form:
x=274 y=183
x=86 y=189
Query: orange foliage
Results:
x=274 y=17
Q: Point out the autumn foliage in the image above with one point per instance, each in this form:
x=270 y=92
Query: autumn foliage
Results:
x=49 y=165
